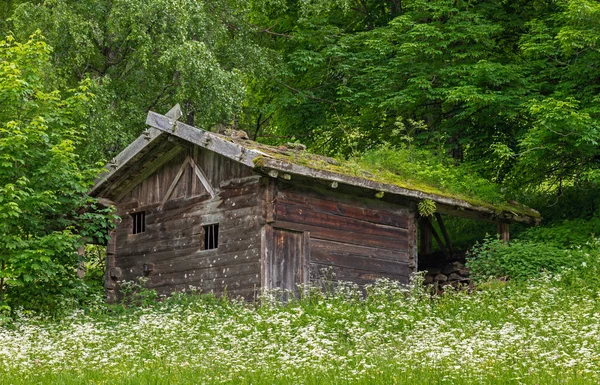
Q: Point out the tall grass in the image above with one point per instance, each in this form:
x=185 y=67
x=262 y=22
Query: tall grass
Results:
x=545 y=331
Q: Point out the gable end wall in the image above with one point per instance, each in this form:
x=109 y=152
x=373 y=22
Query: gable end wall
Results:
x=169 y=253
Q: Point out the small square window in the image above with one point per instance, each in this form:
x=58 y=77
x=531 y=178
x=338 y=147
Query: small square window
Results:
x=211 y=236
x=139 y=222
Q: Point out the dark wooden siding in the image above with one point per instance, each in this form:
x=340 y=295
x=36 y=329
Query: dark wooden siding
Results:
x=170 y=251
x=217 y=169
x=351 y=239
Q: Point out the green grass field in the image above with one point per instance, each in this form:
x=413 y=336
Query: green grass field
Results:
x=545 y=331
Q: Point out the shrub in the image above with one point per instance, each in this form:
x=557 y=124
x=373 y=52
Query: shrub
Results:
x=518 y=260
x=45 y=215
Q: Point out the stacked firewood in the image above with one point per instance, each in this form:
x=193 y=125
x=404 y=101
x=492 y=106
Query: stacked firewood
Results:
x=450 y=273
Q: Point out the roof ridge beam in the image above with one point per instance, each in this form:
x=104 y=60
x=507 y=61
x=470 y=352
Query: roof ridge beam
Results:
x=205 y=139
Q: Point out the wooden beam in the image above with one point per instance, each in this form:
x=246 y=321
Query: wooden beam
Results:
x=200 y=174
x=504 y=231
x=147 y=171
x=175 y=112
x=425 y=239
x=174 y=183
x=106 y=202
x=124 y=157
x=440 y=221
x=205 y=139
x=149 y=136
x=428 y=224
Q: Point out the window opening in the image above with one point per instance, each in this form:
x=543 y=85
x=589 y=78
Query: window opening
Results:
x=139 y=222
x=211 y=236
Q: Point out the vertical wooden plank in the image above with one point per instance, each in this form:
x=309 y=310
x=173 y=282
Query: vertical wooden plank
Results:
x=194 y=187
x=440 y=221
x=109 y=283
x=266 y=239
x=270 y=197
x=504 y=231
x=413 y=252
x=425 y=239
x=439 y=241
x=305 y=279
x=287 y=264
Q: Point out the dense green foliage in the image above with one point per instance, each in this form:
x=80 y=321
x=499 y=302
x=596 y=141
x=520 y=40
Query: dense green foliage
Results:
x=145 y=55
x=44 y=212
x=444 y=94
x=511 y=88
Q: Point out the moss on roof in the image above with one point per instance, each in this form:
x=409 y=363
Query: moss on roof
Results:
x=363 y=168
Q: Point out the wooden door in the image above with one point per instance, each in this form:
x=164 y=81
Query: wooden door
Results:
x=288 y=261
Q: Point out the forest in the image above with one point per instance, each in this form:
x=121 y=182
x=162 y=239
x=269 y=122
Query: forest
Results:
x=492 y=99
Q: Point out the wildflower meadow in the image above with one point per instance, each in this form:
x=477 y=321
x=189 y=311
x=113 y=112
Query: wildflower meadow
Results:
x=544 y=331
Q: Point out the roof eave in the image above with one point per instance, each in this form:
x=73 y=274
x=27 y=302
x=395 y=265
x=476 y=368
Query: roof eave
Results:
x=446 y=205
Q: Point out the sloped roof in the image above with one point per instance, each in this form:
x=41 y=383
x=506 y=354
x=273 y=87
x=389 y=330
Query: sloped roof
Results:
x=285 y=162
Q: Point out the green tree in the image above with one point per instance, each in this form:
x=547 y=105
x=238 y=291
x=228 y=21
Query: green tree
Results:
x=44 y=212
x=145 y=55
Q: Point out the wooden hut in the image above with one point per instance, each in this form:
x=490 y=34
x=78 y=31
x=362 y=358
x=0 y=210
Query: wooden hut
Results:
x=226 y=214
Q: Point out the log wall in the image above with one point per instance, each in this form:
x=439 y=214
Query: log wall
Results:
x=351 y=239
x=170 y=250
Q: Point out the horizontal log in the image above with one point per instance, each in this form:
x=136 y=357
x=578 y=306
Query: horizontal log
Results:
x=342 y=249
x=339 y=235
x=246 y=281
x=335 y=273
x=375 y=211
x=207 y=273
x=202 y=258
x=310 y=216
x=249 y=293
x=360 y=263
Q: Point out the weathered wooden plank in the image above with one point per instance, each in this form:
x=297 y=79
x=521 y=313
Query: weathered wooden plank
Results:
x=206 y=284
x=369 y=211
x=339 y=248
x=319 y=272
x=426 y=239
x=287 y=260
x=413 y=251
x=203 y=179
x=309 y=216
x=148 y=170
x=345 y=259
x=346 y=237
x=202 y=138
x=237 y=236
x=183 y=273
x=202 y=258
x=174 y=183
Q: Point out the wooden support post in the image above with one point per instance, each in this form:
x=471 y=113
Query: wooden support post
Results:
x=81 y=266
x=440 y=221
x=428 y=224
x=109 y=281
x=425 y=239
x=503 y=231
